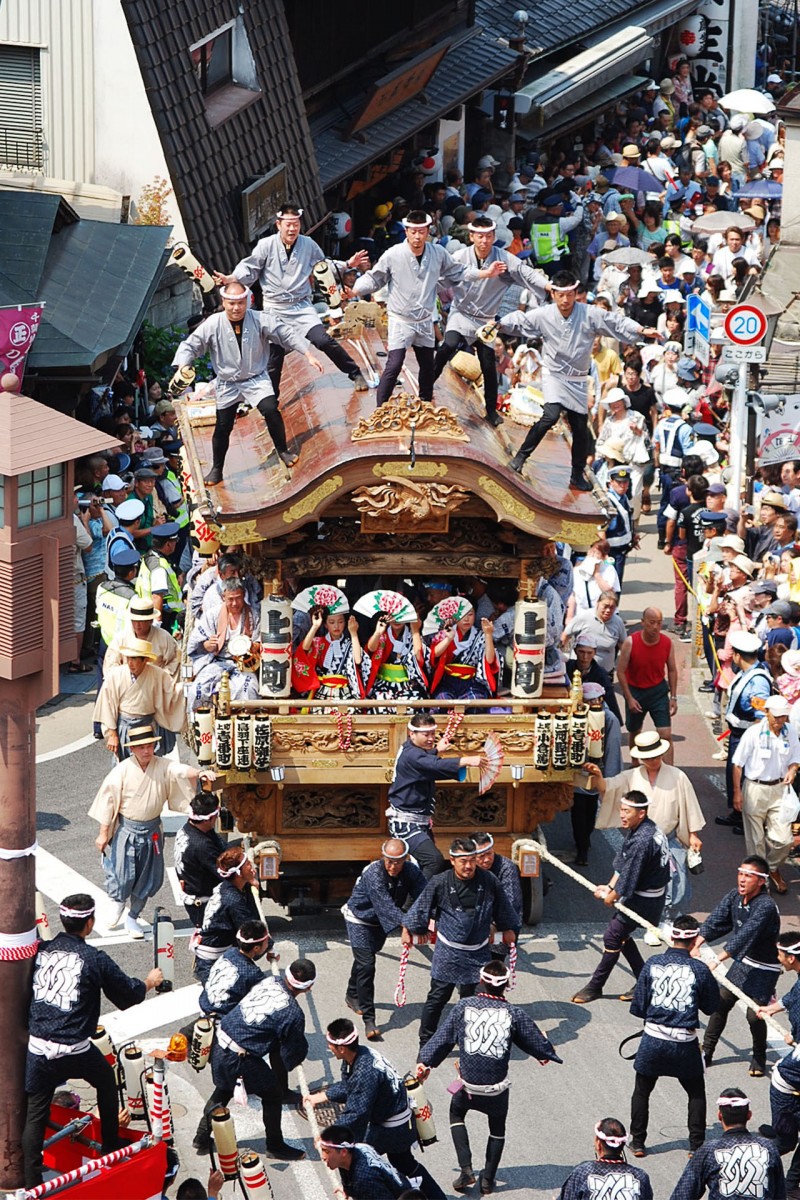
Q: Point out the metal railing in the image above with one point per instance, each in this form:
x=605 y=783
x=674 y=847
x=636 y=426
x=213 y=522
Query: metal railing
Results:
x=22 y=151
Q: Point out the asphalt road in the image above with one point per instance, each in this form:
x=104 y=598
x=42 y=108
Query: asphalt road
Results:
x=553 y=1111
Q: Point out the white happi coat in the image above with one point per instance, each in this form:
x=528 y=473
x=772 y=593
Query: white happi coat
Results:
x=241 y=374
x=478 y=302
x=284 y=278
x=412 y=285
x=567 y=346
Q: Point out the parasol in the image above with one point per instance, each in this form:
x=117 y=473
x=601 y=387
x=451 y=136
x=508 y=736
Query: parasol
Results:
x=633 y=179
x=321 y=595
x=495 y=755
x=386 y=603
x=718 y=222
x=748 y=100
x=447 y=612
x=628 y=256
x=761 y=189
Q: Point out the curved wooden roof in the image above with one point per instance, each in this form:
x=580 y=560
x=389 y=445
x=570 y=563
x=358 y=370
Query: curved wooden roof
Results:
x=452 y=450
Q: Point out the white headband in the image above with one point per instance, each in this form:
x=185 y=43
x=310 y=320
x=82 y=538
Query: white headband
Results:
x=733 y=1102
x=750 y=871
x=416 y=224
x=614 y=1142
x=634 y=803
x=281 y=215
x=795 y=949
x=497 y=980
x=345 y=1041
x=573 y=287
x=420 y=728
x=337 y=1145
x=482 y=228
x=252 y=941
x=302 y=986
x=463 y=853
x=207 y=817
x=236 y=295
x=488 y=846
x=76 y=912
x=678 y=935
x=395 y=857
x=231 y=870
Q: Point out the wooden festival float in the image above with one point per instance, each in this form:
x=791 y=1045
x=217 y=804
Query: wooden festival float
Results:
x=407 y=491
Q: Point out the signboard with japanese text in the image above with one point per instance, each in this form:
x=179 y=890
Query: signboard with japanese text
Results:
x=398 y=88
x=779 y=433
x=19 y=324
x=262 y=200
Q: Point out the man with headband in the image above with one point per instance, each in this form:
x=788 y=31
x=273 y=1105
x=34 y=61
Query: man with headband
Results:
x=641 y=875
x=283 y=263
x=69 y=978
x=376 y=1105
x=267 y=1019
x=233 y=902
x=234 y=974
x=485 y=1027
x=750 y=920
x=374 y=909
x=506 y=873
x=239 y=341
x=738 y=1165
x=784 y=1090
x=568 y=330
x=364 y=1173
x=468 y=905
x=609 y=1174
x=478 y=302
x=671 y=992
x=412 y=274
x=412 y=792
x=197 y=848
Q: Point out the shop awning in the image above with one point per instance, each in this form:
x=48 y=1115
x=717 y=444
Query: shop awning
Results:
x=658 y=16
x=470 y=65
x=584 y=110
x=541 y=99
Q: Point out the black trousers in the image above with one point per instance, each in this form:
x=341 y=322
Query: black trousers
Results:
x=583 y=815
x=453 y=342
x=496 y=1109
x=580 y=435
x=322 y=341
x=361 y=985
x=417 y=1174
x=91 y=1066
x=640 y=1108
x=617 y=939
x=391 y=373
x=718 y=1021
x=259 y=1080
x=226 y=417
x=438 y=994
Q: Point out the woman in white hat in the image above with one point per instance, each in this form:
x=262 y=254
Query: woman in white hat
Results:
x=674 y=806
x=138 y=691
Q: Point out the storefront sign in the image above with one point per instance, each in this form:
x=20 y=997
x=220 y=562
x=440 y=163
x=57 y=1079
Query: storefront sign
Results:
x=779 y=433
x=398 y=88
x=262 y=200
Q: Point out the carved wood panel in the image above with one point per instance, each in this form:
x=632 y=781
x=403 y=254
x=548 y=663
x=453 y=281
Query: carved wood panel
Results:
x=331 y=808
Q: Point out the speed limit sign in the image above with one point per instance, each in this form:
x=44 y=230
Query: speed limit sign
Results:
x=745 y=325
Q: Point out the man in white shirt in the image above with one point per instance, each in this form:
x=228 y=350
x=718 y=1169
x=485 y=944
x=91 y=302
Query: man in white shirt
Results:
x=733 y=249
x=764 y=765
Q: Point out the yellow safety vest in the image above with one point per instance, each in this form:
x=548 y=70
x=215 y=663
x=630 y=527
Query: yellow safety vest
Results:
x=182 y=515
x=112 y=603
x=549 y=243
x=173 y=600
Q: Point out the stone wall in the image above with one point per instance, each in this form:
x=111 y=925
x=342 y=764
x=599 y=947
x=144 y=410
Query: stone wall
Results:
x=175 y=299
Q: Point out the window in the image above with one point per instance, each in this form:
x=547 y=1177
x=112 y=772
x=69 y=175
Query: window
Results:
x=40 y=496
x=21 y=142
x=226 y=71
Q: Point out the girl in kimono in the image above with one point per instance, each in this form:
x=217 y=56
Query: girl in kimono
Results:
x=462 y=660
x=209 y=646
x=395 y=657
x=328 y=662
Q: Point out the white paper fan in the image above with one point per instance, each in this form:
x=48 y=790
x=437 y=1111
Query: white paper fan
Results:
x=446 y=612
x=391 y=604
x=494 y=752
x=321 y=595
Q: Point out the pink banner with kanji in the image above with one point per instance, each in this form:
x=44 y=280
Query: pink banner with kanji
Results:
x=19 y=325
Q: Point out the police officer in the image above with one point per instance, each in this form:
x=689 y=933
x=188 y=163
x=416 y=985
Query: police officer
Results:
x=619 y=534
x=234 y=974
x=197 y=849
x=738 y=1165
x=172 y=477
x=376 y=1106
x=267 y=1017
x=232 y=903
x=157 y=579
x=672 y=440
x=466 y=903
x=609 y=1174
x=412 y=792
x=69 y=978
x=671 y=991
x=485 y=1027
x=372 y=912
x=750 y=920
x=114 y=595
x=548 y=232
x=641 y=875
x=507 y=875
x=752 y=682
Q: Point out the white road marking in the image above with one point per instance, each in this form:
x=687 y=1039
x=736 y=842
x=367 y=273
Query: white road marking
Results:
x=70 y=748
x=177 y=894
x=56 y=880
x=170 y=1008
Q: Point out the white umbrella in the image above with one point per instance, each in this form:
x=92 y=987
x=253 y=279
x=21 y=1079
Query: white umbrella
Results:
x=718 y=222
x=748 y=100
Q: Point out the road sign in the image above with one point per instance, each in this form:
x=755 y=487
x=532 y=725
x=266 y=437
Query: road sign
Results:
x=745 y=325
x=744 y=354
x=702 y=348
x=688 y=343
x=698 y=315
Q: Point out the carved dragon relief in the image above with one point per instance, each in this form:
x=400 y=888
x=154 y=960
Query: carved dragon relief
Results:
x=326 y=741
x=405 y=504
x=404 y=414
x=331 y=808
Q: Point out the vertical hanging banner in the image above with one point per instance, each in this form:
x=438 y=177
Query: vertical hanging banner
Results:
x=703 y=39
x=19 y=324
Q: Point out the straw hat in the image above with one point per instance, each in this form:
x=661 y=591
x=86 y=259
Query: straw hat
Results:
x=649 y=745
x=614 y=448
x=142 y=734
x=138 y=648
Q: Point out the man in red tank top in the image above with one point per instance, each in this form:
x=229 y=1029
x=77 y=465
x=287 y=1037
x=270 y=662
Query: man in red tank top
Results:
x=648 y=677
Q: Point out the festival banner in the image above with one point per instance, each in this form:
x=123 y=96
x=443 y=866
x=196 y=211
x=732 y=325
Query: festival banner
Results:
x=19 y=324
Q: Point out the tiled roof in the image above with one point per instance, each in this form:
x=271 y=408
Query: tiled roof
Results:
x=34 y=436
x=547 y=29
x=95 y=278
x=210 y=166
x=475 y=62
